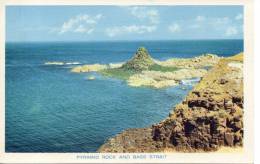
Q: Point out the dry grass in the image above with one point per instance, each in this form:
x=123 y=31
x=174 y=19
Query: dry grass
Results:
x=238 y=57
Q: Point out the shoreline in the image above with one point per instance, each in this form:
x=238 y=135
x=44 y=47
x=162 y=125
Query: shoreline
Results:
x=159 y=74
x=209 y=119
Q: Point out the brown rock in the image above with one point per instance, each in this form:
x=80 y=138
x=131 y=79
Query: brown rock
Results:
x=223 y=81
x=228 y=104
x=209 y=117
x=229 y=139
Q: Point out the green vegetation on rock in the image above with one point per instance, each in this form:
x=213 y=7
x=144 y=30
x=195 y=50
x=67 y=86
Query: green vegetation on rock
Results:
x=208 y=119
x=141 y=61
x=143 y=70
x=157 y=67
x=119 y=73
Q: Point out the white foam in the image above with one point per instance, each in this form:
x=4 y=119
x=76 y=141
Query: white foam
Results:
x=61 y=63
x=54 y=63
x=190 y=81
x=72 y=63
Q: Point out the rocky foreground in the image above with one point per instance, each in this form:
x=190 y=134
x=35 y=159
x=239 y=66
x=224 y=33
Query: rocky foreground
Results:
x=211 y=116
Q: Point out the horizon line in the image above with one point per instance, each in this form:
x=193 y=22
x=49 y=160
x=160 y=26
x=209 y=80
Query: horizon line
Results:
x=38 y=41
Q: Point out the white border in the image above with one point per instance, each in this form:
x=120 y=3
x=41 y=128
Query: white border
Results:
x=245 y=157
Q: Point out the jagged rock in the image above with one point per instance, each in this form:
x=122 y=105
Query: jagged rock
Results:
x=141 y=61
x=219 y=121
x=209 y=117
x=228 y=104
x=229 y=139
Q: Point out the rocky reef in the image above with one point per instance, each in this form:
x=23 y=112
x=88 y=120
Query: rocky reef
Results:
x=157 y=79
x=205 y=60
x=89 y=68
x=144 y=71
x=210 y=117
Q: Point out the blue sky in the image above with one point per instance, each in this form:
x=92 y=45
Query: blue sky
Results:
x=96 y=23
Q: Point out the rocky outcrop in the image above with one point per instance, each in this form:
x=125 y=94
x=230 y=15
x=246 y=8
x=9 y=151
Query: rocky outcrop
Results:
x=95 y=67
x=159 y=79
x=210 y=116
x=144 y=71
x=132 y=141
x=89 y=68
x=205 y=60
x=141 y=61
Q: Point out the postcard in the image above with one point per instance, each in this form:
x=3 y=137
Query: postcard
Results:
x=126 y=82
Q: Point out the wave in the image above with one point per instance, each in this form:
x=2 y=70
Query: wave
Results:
x=73 y=63
x=61 y=63
x=192 y=81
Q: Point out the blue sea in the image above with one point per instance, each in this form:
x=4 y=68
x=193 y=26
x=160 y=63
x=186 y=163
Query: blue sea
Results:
x=50 y=109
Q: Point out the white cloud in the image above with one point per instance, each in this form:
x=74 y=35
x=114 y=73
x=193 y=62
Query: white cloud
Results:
x=82 y=29
x=174 y=28
x=222 y=25
x=82 y=23
x=142 y=13
x=231 y=31
x=150 y=19
x=239 y=16
x=200 y=18
x=118 y=30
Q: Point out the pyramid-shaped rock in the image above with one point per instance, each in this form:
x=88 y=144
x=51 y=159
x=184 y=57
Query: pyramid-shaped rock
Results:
x=141 y=61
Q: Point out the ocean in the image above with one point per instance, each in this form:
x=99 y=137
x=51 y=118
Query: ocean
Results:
x=50 y=109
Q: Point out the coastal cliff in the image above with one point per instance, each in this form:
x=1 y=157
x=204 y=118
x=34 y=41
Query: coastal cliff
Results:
x=211 y=116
